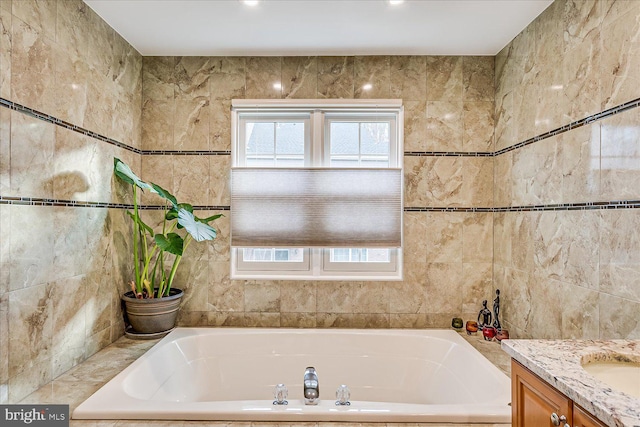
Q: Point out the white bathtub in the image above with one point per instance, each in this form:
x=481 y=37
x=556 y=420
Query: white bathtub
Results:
x=230 y=374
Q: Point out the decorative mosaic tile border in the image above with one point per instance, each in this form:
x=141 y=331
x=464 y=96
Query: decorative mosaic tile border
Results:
x=573 y=125
x=616 y=204
x=449 y=154
x=185 y=153
x=446 y=209
x=36 y=201
x=56 y=121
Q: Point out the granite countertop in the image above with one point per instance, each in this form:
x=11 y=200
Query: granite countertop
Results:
x=559 y=363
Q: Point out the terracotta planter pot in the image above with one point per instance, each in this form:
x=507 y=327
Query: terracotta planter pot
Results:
x=153 y=315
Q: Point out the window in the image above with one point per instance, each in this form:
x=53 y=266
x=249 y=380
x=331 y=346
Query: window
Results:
x=284 y=150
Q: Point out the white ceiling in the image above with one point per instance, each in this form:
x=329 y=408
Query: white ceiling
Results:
x=318 y=27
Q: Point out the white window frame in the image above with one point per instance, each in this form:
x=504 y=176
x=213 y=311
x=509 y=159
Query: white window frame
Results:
x=318 y=114
x=264 y=118
x=275 y=267
x=394 y=156
x=360 y=267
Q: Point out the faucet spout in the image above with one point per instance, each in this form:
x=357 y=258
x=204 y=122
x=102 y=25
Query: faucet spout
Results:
x=311 y=387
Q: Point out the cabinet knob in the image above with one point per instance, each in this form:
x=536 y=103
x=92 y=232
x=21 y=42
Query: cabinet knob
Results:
x=556 y=420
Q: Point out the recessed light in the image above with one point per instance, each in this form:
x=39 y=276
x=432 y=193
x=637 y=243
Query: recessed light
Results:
x=250 y=2
x=395 y=2
x=367 y=86
x=277 y=86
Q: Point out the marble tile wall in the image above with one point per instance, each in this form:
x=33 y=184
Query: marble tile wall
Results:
x=569 y=274
x=449 y=107
x=58 y=265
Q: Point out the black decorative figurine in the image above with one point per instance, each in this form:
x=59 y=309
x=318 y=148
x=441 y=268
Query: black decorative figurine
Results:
x=484 y=316
x=496 y=311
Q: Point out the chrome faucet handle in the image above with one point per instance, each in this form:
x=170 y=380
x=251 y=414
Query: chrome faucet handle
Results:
x=342 y=395
x=280 y=394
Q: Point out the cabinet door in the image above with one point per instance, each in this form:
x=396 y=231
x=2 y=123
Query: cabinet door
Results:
x=582 y=418
x=534 y=401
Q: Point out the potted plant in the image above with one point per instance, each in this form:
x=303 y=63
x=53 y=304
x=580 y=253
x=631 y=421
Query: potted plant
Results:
x=152 y=303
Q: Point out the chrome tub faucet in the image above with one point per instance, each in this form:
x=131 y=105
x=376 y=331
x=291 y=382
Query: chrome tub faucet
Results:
x=311 y=387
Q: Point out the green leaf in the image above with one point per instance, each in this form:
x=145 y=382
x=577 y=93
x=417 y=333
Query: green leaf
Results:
x=124 y=172
x=173 y=212
x=209 y=219
x=140 y=222
x=186 y=206
x=164 y=193
x=171 y=243
x=198 y=230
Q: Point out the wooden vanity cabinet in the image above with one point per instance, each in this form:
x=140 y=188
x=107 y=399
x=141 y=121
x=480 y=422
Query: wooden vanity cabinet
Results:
x=534 y=401
x=582 y=418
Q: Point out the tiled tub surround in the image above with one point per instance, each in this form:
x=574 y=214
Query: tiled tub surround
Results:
x=448 y=105
x=559 y=364
x=451 y=212
x=72 y=302
x=31 y=141
x=79 y=383
x=538 y=183
x=569 y=274
x=61 y=263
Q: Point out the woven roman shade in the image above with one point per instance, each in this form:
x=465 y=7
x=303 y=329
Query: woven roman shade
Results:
x=316 y=207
